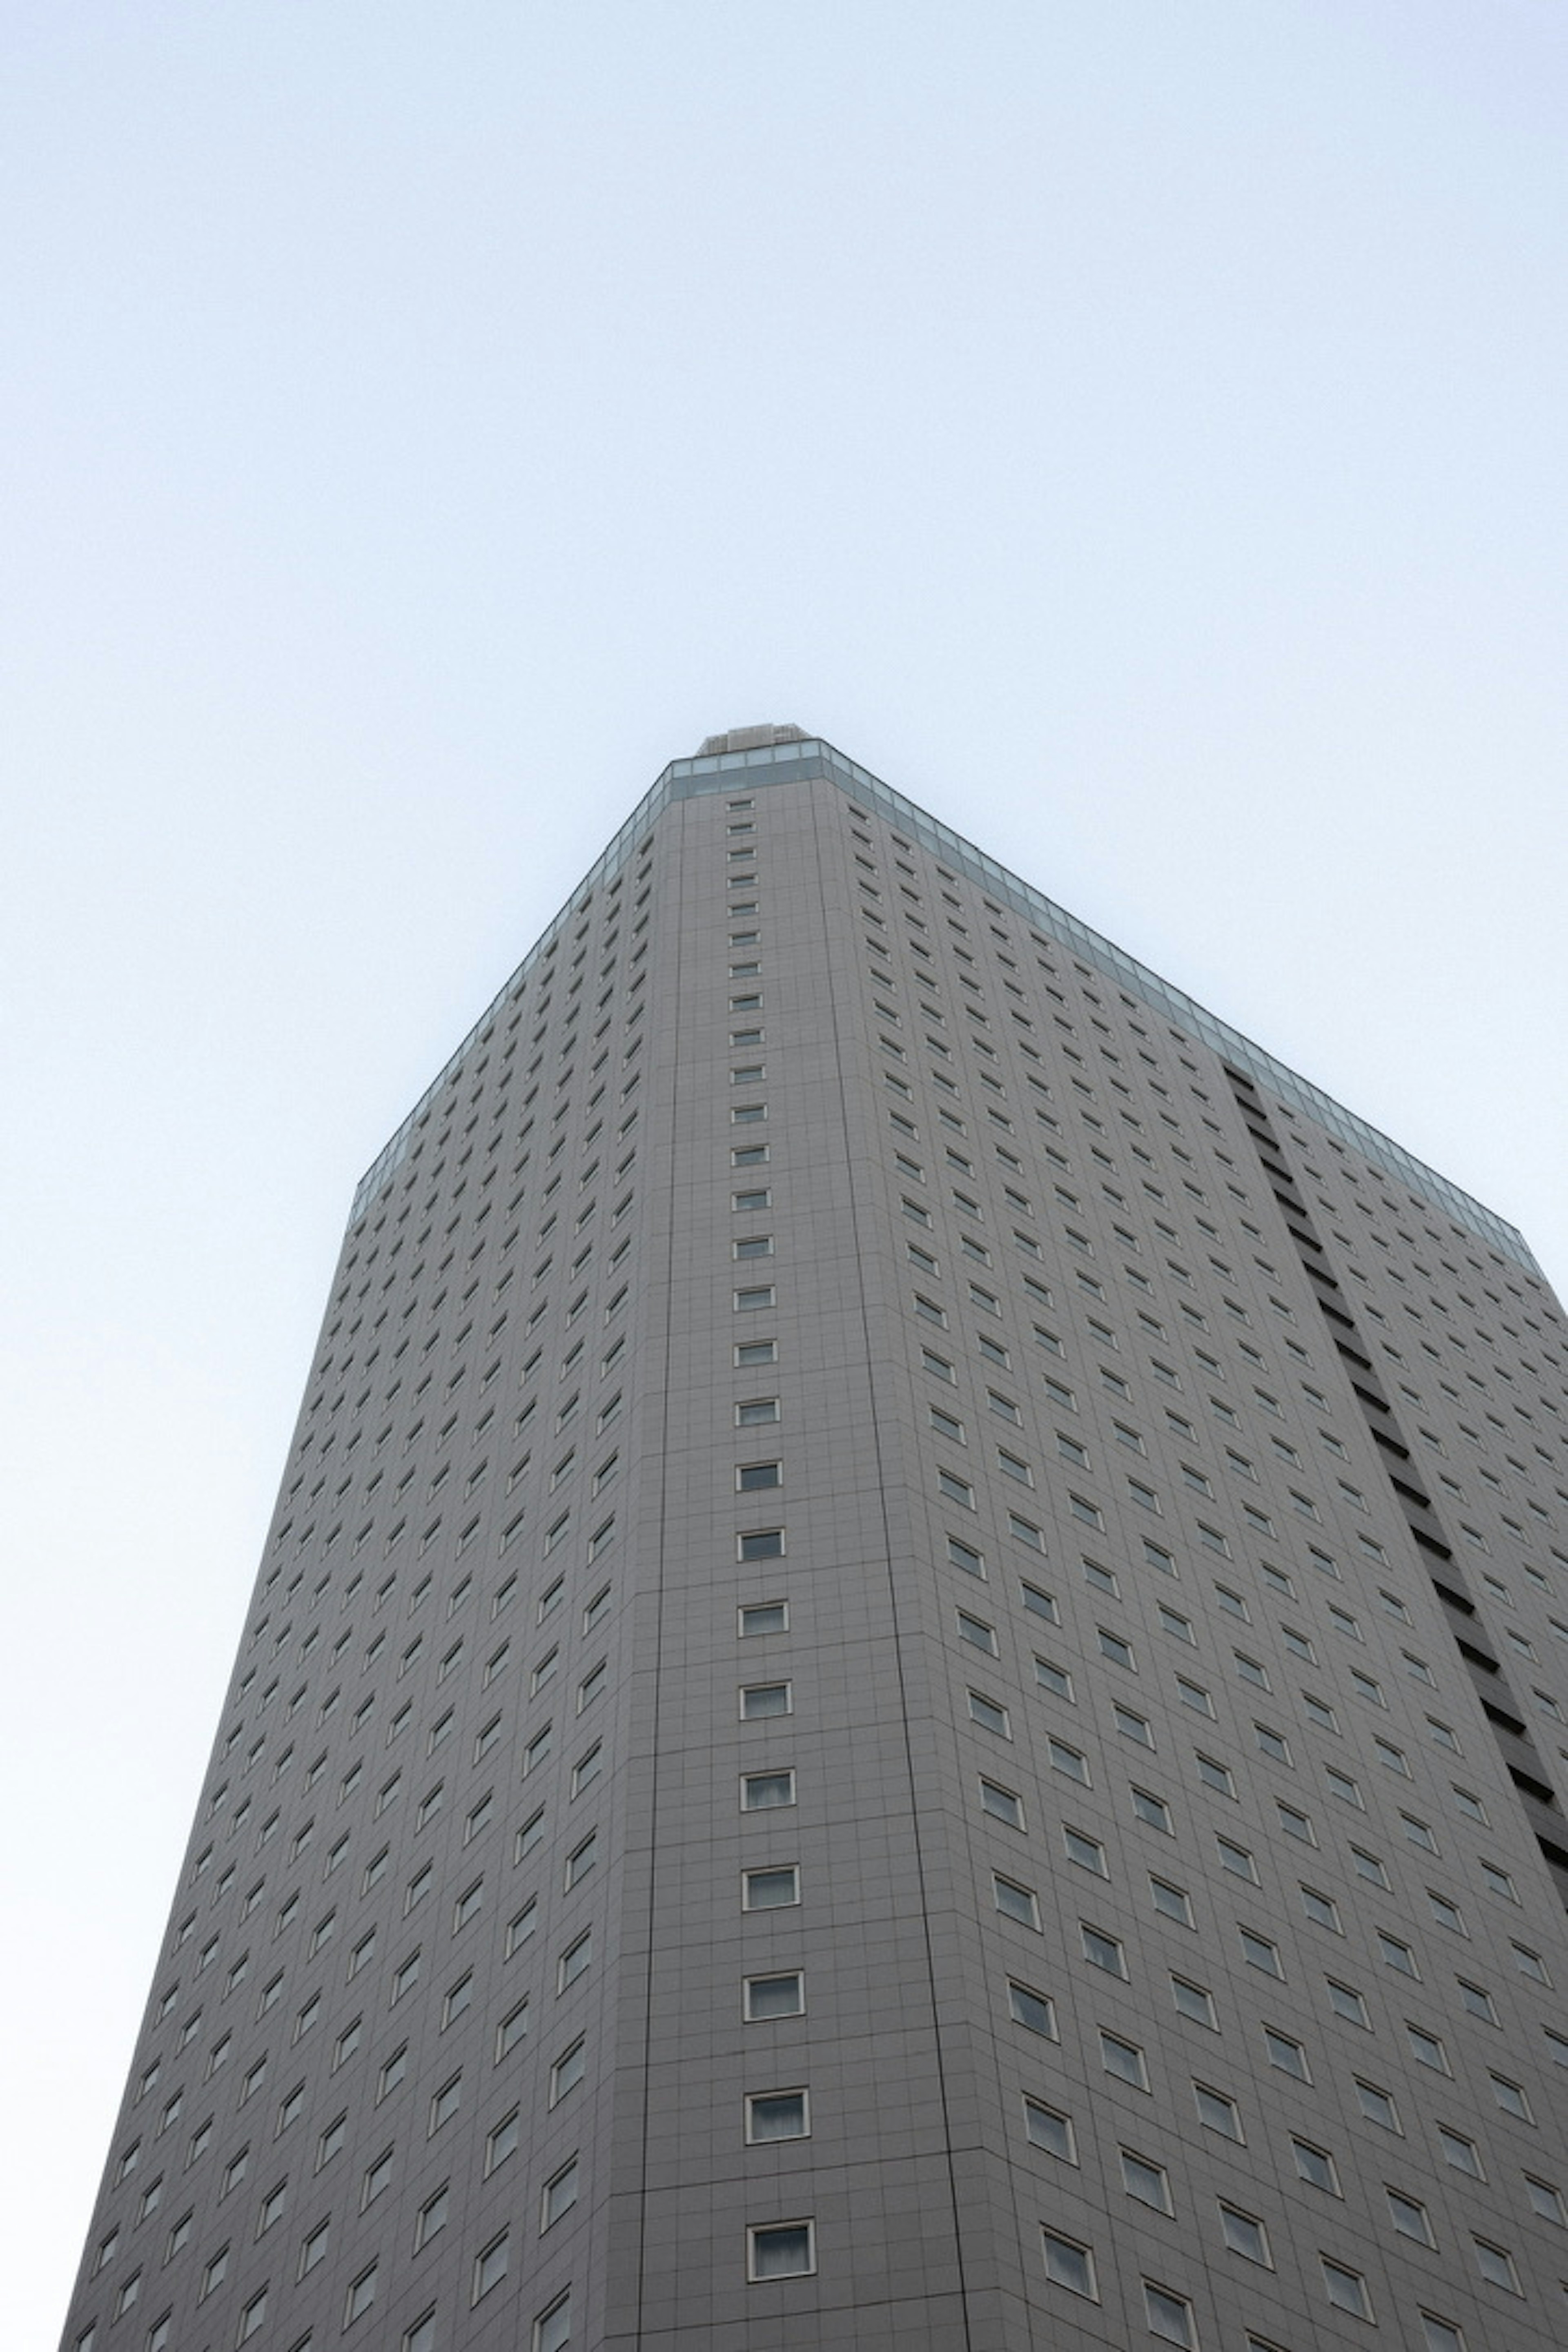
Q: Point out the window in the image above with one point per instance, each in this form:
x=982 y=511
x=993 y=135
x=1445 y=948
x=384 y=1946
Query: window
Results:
x=1015 y=1901
x=774 y=1996
x=575 y=1961
x=777 y=2115
x=1496 y=2265
x=1103 y=1951
x=1169 y=2316
x=1217 y=2112
x=1124 y=2059
x=989 y=1714
x=1170 y=1902
x=432 y=2217
x=1346 y=2289
x=1315 y=2165
x=1376 y=2104
x=1002 y=1803
x=553 y=2328
x=491 y=2268
x=1428 y=2050
x=760 y=1699
x=761 y=1790
x=1243 y=2234
x=503 y=2141
x=1545 y=2200
x=1409 y=2217
x=559 y=2195
x=1511 y=2098
x=1459 y=2152
x=1031 y=2009
x=1346 y=2002
x=1151 y=1810
x=1195 y=2001
x=771 y=1889
x=361 y=2295
x=781 y=2250
x=1286 y=2053
x=1441 y=2334
x=1069 y=2264
x=1477 y=2000
x=1259 y=1953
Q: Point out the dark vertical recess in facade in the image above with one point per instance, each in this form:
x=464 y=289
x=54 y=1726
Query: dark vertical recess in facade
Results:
x=1521 y=1759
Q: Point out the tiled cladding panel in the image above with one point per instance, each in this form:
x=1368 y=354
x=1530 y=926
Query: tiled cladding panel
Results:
x=860 y=1465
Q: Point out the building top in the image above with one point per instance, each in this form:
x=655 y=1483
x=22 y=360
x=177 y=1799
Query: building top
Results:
x=749 y=739
x=778 y=754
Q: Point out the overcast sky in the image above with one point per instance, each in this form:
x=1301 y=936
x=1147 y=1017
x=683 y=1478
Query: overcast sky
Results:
x=1135 y=429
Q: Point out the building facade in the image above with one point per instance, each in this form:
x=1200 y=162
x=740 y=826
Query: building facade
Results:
x=910 y=1688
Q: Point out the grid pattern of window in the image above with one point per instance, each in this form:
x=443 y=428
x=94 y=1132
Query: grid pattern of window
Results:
x=834 y=1396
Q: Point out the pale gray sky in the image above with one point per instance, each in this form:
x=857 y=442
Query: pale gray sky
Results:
x=1133 y=427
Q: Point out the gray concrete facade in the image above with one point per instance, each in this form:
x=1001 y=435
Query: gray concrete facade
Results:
x=910 y=1685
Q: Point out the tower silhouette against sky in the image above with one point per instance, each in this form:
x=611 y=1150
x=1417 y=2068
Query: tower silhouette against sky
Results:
x=910 y=1684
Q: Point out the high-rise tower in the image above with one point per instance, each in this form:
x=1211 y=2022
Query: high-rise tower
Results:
x=909 y=1687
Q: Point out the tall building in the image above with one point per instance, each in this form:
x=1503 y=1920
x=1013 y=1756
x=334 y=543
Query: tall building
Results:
x=909 y=1686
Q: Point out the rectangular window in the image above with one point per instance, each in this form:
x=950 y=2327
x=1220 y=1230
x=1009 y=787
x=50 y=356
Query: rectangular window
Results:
x=770 y=1889
x=777 y=2250
x=774 y=1996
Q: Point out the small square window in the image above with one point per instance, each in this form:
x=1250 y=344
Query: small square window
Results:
x=774 y=1996
x=777 y=2115
x=1217 y=2112
x=1496 y=2265
x=1015 y=1901
x=781 y=2250
x=558 y=2196
x=1409 y=2217
x=762 y=1790
x=1511 y=2098
x=1286 y=2053
x=1243 y=2234
x=1002 y=1804
x=1032 y=2009
x=1169 y=2316
x=769 y=1890
x=1376 y=2104
x=1315 y=2165
x=1195 y=2001
x=1070 y=2265
x=1103 y=1951
x=1346 y=2289
x=1124 y=2059
x=1440 y=2334
x=1172 y=1902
